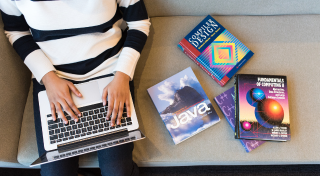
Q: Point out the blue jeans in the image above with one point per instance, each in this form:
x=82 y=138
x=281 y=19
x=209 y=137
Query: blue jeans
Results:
x=114 y=161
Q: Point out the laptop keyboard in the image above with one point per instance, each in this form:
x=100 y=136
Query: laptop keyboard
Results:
x=92 y=121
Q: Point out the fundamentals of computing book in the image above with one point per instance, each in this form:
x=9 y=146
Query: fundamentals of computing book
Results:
x=183 y=105
x=262 y=107
x=226 y=104
x=215 y=50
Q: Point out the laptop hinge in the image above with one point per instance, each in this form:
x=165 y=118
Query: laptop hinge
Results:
x=93 y=137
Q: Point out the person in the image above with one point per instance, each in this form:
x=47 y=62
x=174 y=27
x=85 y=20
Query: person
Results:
x=73 y=41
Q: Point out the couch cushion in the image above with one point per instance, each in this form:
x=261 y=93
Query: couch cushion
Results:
x=14 y=85
x=160 y=8
x=284 y=45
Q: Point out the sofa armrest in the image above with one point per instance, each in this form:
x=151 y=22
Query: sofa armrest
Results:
x=14 y=85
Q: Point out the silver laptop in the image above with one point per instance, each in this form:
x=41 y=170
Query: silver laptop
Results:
x=92 y=132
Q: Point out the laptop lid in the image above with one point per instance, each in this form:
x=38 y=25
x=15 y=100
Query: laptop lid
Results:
x=89 y=145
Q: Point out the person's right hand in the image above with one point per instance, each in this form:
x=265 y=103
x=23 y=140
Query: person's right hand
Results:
x=58 y=91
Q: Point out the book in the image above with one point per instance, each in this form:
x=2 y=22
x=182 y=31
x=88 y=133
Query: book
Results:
x=262 y=107
x=215 y=50
x=183 y=105
x=225 y=102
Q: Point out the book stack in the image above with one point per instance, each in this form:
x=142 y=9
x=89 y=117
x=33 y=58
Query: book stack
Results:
x=256 y=107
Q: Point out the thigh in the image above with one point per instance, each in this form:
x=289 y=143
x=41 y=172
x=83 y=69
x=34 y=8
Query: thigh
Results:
x=63 y=167
x=117 y=161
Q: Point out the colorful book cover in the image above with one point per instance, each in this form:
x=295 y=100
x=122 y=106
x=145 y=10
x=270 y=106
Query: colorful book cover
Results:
x=215 y=50
x=183 y=105
x=262 y=110
x=226 y=104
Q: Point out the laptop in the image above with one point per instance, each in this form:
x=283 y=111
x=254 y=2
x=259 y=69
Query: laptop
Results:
x=92 y=132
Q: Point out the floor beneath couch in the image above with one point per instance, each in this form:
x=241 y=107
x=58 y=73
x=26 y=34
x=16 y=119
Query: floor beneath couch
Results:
x=281 y=170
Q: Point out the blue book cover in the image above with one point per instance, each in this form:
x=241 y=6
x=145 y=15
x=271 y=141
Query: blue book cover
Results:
x=226 y=104
x=215 y=50
x=183 y=105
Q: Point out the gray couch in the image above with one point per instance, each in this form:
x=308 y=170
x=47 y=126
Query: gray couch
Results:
x=283 y=34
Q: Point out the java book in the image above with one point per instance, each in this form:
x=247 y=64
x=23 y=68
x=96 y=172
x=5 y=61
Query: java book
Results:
x=183 y=105
x=262 y=110
x=215 y=50
x=225 y=102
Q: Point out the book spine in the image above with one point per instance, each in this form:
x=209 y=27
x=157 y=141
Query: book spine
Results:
x=193 y=56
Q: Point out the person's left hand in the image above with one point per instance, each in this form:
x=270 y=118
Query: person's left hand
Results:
x=118 y=93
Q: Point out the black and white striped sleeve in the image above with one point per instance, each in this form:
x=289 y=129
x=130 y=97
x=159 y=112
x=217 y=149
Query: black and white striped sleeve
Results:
x=136 y=17
x=18 y=32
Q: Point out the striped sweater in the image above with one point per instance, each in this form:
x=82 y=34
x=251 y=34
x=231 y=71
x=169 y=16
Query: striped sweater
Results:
x=78 y=39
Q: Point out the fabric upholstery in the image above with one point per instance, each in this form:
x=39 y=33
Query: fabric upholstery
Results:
x=14 y=85
x=284 y=45
x=160 y=8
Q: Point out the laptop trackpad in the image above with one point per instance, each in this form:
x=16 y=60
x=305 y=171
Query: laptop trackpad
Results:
x=90 y=94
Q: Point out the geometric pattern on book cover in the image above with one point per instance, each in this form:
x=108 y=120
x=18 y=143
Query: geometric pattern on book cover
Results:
x=223 y=54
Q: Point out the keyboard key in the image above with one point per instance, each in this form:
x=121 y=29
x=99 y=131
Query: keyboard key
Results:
x=51 y=127
x=86 y=124
x=133 y=138
x=68 y=117
x=50 y=122
x=100 y=125
x=56 y=157
x=86 y=149
x=128 y=119
x=104 y=145
x=72 y=122
x=53 y=142
x=123 y=121
x=89 y=118
x=121 y=141
x=89 y=128
x=49 y=115
x=105 y=114
x=68 y=154
x=106 y=129
x=91 y=123
x=124 y=115
x=79 y=121
x=111 y=128
x=85 y=114
x=118 y=126
x=100 y=115
x=72 y=133
x=57 y=131
x=96 y=111
x=90 y=112
x=99 y=146
x=77 y=136
x=106 y=124
x=71 y=137
x=127 y=139
x=94 y=116
x=74 y=127
x=63 y=155
x=83 y=134
x=59 y=140
x=123 y=124
x=61 y=135
x=78 y=131
x=84 y=130
x=64 y=139
x=115 y=142
x=100 y=130
x=129 y=123
x=63 y=130
x=94 y=132
x=95 y=127
x=51 y=132
x=92 y=148
x=75 y=152
x=60 y=125
x=110 y=143
x=80 y=151
x=102 y=110
x=97 y=121
x=69 y=128
x=89 y=133
x=80 y=125
x=66 y=134
x=102 y=120
x=83 y=119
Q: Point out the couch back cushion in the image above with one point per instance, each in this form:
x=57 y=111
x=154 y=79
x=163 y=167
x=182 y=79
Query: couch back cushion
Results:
x=157 y=8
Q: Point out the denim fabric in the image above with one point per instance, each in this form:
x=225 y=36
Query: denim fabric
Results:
x=114 y=161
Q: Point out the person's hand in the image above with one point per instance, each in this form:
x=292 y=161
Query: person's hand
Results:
x=58 y=91
x=118 y=94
